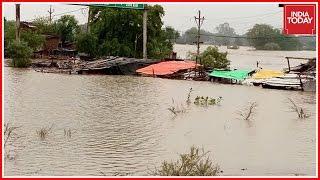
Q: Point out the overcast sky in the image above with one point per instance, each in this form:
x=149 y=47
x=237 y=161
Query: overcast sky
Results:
x=178 y=15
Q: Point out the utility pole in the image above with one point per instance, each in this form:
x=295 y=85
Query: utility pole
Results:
x=88 y=23
x=145 y=17
x=199 y=22
x=18 y=22
x=50 y=13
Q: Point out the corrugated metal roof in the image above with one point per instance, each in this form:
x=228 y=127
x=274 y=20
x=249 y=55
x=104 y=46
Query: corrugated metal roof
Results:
x=167 y=67
x=233 y=74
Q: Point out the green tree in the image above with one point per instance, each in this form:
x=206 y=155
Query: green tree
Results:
x=44 y=26
x=262 y=34
x=33 y=39
x=20 y=53
x=190 y=36
x=213 y=59
x=171 y=34
x=67 y=28
x=9 y=32
x=87 y=43
x=119 y=32
x=224 y=29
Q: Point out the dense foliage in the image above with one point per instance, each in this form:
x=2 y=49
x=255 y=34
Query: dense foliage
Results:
x=119 y=32
x=20 y=53
x=224 y=33
x=262 y=34
x=44 y=26
x=87 y=43
x=33 y=39
x=67 y=28
x=213 y=59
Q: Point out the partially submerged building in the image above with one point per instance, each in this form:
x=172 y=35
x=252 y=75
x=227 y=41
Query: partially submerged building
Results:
x=168 y=69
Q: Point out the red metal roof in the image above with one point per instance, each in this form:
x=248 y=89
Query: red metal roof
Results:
x=167 y=67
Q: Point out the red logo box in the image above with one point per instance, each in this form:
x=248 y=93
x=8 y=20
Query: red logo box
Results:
x=299 y=19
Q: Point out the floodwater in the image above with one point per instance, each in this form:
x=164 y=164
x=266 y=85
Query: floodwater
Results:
x=121 y=125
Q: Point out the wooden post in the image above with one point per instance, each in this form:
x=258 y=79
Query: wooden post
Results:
x=301 y=84
x=288 y=63
x=145 y=16
x=18 y=22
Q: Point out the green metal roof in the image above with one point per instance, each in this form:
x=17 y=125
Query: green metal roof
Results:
x=233 y=74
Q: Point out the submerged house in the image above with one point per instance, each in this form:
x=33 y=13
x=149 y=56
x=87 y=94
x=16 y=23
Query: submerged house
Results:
x=50 y=44
x=230 y=76
x=168 y=69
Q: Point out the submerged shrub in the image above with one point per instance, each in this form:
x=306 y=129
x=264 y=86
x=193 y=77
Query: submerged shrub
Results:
x=271 y=46
x=20 y=53
x=205 y=101
x=44 y=132
x=194 y=163
x=301 y=112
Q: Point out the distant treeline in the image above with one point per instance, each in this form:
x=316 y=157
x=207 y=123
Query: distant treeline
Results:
x=260 y=36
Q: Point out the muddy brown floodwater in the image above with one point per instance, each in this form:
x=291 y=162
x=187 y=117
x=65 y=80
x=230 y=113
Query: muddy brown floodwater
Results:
x=122 y=125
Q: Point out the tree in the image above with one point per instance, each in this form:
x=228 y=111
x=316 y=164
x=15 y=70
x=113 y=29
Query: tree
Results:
x=67 y=28
x=190 y=36
x=262 y=34
x=171 y=34
x=9 y=32
x=20 y=53
x=225 y=30
x=33 y=39
x=44 y=26
x=87 y=43
x=211 y=58
x=119 y=32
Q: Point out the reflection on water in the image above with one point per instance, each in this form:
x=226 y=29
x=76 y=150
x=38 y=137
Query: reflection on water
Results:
x=121 y=124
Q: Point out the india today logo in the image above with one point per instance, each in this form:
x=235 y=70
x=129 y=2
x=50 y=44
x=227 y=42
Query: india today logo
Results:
x=299 y=19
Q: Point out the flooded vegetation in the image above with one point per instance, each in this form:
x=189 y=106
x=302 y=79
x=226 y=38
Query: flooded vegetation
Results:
x=121 y=125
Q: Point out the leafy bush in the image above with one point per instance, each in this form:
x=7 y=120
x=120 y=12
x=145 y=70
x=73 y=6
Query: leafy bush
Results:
x=195 y=163
x=212 y=58
x=87 y=43
x=20 y=53
x=34 y=40
x=271 y=46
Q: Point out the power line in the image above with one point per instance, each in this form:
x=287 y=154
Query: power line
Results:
x=244 y=37
x=58 y=14
x=247 y=17
x=70 y=11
